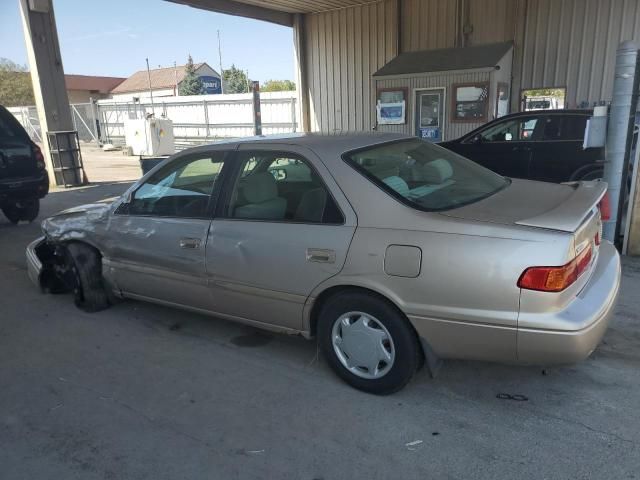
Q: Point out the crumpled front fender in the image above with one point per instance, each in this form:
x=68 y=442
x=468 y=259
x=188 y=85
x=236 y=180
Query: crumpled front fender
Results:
x=78 y=223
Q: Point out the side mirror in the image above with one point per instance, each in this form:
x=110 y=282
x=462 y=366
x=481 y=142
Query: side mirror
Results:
x=476 y=139
x=129 y=198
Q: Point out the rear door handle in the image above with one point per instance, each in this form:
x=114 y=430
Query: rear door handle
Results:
x=321 y=255
x=190 y=243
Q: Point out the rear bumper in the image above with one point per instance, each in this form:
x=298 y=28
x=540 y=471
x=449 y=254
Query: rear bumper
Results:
x=29 y=187
x=590 y=312
x=34 y=265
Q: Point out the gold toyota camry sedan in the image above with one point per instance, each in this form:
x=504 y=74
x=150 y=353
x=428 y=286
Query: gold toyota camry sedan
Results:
x=391 y=251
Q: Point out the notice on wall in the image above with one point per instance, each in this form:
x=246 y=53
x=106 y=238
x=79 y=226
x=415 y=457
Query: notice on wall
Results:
x=391 y=107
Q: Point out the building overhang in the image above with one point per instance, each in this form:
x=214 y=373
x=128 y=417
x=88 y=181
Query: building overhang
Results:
x=280 y=12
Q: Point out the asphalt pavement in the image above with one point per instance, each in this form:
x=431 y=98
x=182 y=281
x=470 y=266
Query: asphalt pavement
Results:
x=146 y=392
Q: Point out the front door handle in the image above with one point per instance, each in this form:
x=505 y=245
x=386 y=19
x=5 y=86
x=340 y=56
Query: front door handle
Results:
x=190 y=243
x=321 y=255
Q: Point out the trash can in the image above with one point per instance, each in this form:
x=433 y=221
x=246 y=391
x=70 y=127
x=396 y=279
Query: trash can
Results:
x=148 y=163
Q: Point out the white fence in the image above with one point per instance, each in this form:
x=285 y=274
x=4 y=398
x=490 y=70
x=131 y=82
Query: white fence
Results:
x=196 y=119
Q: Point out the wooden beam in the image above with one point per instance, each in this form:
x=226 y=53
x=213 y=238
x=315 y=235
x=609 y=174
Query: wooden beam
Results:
x=240 y=9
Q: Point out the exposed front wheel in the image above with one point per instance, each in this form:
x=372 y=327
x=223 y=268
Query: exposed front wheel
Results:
x=22 y=210
x=368 y=343
x=86 y=265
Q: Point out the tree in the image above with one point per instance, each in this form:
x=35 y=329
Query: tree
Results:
x=191 y=84
x=15 y=84
x=236 y=80
x=277 y=86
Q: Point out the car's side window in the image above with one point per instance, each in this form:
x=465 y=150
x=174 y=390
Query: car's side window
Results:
x=565 y=127
x=280 y=187
x=514 y=130
x=182 y=189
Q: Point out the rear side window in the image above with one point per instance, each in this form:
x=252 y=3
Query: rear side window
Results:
x=10 y=128
x=281 y=187
x=574 y=127
x=565 y=127
x=425 y=176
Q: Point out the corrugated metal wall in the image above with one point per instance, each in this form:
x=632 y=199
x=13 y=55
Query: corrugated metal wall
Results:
x=558 y=43
x=572 y=43
x=344 y=47
x=428 y=24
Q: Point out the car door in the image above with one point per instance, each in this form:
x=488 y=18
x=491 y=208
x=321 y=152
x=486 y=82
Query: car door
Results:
x=559 y=153
x=157 y=240
x=283 y=228
x=503 y=146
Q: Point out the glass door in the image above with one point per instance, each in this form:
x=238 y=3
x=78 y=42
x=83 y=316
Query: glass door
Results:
x=429 y=114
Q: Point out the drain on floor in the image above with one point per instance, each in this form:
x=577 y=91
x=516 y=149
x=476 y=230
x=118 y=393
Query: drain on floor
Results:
x=254 y=339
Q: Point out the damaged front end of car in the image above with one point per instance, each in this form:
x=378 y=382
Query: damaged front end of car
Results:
x=49 y=264
x=49 y=267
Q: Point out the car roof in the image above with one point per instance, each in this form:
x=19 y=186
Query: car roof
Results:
x=337 y=141
x=564 y=111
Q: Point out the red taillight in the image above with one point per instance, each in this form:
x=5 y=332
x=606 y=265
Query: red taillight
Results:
x=556 y=279
x=605 y=207
x=37 y=153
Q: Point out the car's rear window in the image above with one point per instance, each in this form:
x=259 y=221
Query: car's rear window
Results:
x=9 y=127
x=424 y=175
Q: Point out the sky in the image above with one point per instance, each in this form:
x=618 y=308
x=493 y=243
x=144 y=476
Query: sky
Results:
x=113 y=38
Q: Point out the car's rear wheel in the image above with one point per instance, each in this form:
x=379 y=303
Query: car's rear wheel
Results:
x=22 y=210
x=368 y=342
x=85 y=263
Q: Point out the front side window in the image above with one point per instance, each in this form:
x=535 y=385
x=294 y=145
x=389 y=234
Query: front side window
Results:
x=426 y=176
x=281 y=187
x=515 y=130
x=183 y=189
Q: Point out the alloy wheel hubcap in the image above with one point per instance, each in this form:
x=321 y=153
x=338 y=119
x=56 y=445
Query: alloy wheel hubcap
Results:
x=363 y=345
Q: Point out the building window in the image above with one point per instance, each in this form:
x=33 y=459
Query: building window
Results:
x=470 y=102
x=552 y=98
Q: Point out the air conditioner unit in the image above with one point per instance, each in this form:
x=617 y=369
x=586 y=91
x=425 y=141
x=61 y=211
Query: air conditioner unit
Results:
x=151 y=136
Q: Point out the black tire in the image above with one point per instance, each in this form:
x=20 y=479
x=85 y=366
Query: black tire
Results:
x=22 y=210
x=86 y=264
x=408 y=354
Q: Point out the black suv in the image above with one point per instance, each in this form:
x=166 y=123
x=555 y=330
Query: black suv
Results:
x=23 y=178
x=541 y=145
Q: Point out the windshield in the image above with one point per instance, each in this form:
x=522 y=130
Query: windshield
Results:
x=424 y=175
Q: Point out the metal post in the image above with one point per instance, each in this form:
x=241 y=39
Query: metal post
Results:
x=206 y=118
x=257 y=118
x=94 y=121
x=220 y=60
x=293 y=114
x=620 y=132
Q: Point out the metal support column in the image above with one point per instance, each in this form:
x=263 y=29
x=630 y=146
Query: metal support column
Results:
x=302 y=85
x=620 y=133
x=47 y=74
x=257 y=117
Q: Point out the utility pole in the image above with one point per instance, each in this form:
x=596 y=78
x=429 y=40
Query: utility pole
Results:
x=175 y=75
x=220 y=62
x=153 y=110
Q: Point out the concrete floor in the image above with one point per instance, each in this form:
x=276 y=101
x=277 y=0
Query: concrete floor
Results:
x=144 y=392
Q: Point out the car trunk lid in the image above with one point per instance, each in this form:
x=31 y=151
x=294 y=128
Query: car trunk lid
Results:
x=565 y=207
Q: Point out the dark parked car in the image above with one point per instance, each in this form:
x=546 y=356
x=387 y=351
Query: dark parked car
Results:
x=23 y=178
x=541 y=145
